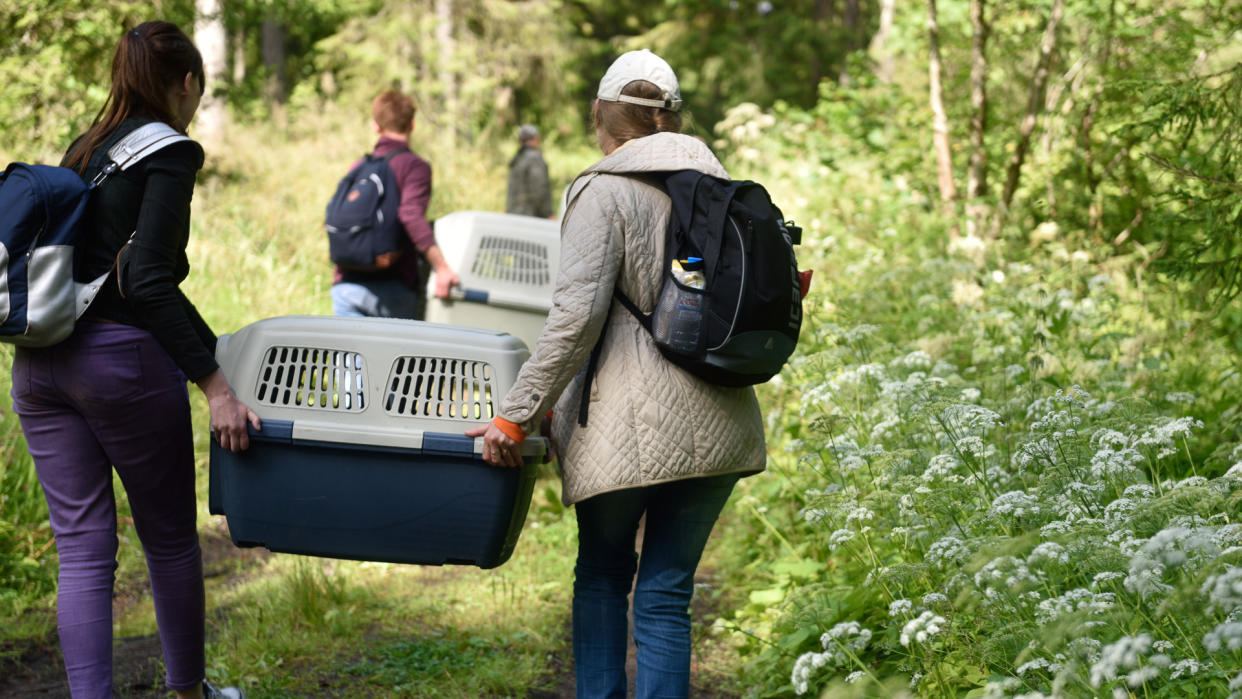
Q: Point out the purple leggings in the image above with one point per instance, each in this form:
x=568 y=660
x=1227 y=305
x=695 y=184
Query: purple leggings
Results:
x=110 y=396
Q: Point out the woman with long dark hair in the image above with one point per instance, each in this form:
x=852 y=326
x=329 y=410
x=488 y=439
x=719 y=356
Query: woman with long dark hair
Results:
x=113 y=395
x=661 y=445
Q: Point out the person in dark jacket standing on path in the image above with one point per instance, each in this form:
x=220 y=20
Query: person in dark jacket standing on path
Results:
x=113 y=394
x=397 y=292
x=530 y=193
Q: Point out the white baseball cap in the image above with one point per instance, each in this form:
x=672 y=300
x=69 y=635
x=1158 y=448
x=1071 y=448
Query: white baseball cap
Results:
x=641 y=65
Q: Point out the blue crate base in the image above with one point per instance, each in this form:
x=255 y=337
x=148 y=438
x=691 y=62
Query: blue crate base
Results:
x=370 y=504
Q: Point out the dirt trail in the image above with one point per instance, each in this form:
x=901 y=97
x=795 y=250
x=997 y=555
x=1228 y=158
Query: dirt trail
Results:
x=35 y=669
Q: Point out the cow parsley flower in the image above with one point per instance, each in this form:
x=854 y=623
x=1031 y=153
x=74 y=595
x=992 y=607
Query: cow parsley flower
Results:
x=947 y=551
x=933 y=599
x=1187 y=668
x=1224 y=591
x=1048 y=552
x=854 y=676
x=848 y=635
x=1226 y=636
x=1016 y=503
x=839 y=538
x=921 y=629
x=1124 y=654
x=900 y=608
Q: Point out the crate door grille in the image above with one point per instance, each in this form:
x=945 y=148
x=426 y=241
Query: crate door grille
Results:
x=436 y=387
x=311 y=377
x=512 y=260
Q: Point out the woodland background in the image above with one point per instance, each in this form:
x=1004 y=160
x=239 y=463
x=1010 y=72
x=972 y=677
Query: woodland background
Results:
x=1005 y=460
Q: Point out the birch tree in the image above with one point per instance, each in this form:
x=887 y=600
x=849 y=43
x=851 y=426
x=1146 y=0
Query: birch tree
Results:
x=940 y=121
x=977 y=174
x=210 y=38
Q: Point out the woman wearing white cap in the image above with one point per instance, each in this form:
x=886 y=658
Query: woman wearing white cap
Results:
x=660 y=442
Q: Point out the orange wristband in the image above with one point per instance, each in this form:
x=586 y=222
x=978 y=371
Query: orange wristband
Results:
x=511 y=429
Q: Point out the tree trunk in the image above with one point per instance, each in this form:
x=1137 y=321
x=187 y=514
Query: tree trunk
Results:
x=1095 y=208
x=210 y=38
x=852 y=14
x=977 y=175
x=273 y=50
x=238 y=39
x=820 y=12
x=448 y=51
x=879 y=49
x=1034 y=105
x=940 y=121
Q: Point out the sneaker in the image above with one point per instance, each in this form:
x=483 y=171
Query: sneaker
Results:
x=210 y=692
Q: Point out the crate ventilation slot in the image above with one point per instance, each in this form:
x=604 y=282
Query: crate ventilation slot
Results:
x=308 y=377
x=512 y=260
x=444 y=388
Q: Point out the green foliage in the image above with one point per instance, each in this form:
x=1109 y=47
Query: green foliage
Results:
x=55 y=58
x=987 y=461
x=1195 y=126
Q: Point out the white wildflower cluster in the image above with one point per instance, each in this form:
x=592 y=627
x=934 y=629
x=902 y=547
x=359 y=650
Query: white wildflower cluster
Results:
x=1188 y=668
x=1179 y=397
x=921 y=629
x=815 y=515
x=1004 y=576
x=946 y=552
x=1116 y=464
x=935 y=599
x=1049 y=552
x=1178 y=546
x=1226 y=636
x=854 y=676
x=942 y=468
x=969 y=419
x=1119 y=511
x=1016 y=504
x=918 y=360
x=860 y=515
x=974 y=447
x=860 y=375
x=1128 y=658
x=1077 y=601
x=839 y=538
x=900 y=608
x=1166 y=434
x=839 y=643
x=1224 y=590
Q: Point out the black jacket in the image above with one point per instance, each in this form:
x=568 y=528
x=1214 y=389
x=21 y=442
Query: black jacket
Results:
x=151 y=200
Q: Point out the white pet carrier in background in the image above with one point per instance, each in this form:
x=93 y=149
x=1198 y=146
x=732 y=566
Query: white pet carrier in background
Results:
x=507 y=266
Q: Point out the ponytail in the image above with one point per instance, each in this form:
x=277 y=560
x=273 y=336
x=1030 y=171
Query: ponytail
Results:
x=150 y=60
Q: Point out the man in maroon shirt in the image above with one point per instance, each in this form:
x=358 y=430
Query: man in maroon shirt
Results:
x=397 y=292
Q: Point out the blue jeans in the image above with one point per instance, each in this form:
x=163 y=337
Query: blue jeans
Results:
x=679 y=517
x=381 y=298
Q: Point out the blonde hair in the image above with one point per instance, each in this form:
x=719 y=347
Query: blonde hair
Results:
x=622 y=121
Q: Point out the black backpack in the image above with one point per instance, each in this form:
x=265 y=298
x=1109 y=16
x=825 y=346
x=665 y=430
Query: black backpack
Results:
x=364 y=232
x=749 y=309
x=741 y=326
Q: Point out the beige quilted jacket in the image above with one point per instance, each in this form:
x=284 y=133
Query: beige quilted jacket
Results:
x=649 y=421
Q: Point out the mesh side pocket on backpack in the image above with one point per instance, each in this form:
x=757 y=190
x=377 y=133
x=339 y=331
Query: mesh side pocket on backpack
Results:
x=512 y=260
x=456 y=389
x=310 y=377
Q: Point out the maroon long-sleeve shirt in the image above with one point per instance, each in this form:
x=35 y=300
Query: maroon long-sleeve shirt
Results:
x=413 y=175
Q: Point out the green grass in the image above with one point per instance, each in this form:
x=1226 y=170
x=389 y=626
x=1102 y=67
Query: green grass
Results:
x=291 y=625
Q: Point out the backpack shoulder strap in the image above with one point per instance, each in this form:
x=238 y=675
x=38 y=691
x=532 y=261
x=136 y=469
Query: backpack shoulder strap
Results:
x=140 y=143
